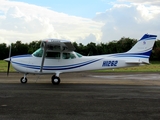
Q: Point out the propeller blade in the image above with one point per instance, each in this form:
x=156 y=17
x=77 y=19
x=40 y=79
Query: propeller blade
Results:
x=9 y=61
x=8 y=67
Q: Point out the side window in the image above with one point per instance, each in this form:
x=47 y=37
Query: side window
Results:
x=68 y=56
x=72 y=56
x=54 y=55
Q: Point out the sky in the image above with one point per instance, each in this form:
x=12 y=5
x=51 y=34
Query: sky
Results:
x=82 y=21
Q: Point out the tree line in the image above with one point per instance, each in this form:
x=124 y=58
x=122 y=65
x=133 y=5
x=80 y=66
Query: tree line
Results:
x=116 y=46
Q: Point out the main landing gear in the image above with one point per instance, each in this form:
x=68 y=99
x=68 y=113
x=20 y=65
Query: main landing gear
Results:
x=54 y=79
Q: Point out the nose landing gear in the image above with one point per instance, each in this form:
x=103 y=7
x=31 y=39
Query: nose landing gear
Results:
x=23 y=80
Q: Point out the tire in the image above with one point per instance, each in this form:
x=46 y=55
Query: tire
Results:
x=55 y=80
x=23 y=80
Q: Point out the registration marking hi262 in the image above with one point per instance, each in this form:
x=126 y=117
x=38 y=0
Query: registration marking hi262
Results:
x=110 y=63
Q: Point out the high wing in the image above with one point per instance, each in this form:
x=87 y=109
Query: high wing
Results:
x=57 y=45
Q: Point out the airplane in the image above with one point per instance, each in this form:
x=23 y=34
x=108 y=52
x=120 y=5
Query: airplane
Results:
x=58 y=56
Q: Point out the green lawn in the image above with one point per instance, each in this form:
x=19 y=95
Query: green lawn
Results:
x=153 y=67
x=4 y=66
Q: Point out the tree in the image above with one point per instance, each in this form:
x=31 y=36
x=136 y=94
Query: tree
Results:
x=4 y=52
x=112 y=47
x=92 y=49
x=125 y=44
x=33 y=46
x=19 y=48
x=156 y=54
x=82 y=49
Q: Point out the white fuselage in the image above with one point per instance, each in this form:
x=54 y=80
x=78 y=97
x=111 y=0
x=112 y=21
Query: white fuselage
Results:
x=32 y=64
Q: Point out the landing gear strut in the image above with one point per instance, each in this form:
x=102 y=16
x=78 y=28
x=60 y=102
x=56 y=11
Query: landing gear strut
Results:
x=23 y=80
x=55 y=80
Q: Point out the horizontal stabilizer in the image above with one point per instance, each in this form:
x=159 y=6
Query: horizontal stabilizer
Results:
x=136 y=62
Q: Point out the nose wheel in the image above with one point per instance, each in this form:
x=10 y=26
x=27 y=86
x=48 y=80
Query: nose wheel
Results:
x=23 y=80
x=55 y=80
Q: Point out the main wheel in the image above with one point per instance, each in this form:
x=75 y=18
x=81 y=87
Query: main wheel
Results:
x=55 y=80
x=23 y=80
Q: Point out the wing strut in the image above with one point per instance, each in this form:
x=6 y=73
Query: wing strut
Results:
x=44 y=55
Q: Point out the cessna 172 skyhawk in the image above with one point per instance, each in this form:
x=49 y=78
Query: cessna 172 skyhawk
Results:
x=58 y=56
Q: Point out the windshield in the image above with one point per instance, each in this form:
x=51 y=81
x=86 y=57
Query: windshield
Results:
x=79 y=55
x=38 y=53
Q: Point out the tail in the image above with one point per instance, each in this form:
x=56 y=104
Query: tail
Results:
x=141 y=51
x=144 y=45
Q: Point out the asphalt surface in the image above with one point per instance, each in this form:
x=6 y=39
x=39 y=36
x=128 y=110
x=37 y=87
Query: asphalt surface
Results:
x=98 y=99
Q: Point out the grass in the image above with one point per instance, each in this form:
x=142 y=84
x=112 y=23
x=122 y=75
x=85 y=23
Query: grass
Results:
x=153 y=67
x=4 y=66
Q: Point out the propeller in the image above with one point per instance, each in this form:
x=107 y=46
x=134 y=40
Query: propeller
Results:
x=9 y=60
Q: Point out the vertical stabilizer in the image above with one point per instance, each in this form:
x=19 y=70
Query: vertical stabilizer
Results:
x=144 y=46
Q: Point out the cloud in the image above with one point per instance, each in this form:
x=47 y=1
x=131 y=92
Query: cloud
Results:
x=26 y=22
x=88 y=39
x=129 y=20
x=144 y=2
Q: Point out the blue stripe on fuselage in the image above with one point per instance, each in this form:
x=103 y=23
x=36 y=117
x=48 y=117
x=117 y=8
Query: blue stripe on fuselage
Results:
x=66 y=67
x=141 y=55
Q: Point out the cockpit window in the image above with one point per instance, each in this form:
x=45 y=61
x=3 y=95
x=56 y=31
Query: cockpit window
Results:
x=68 y=56
x=54 y=55
x=79 y=55
x=38 y=53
